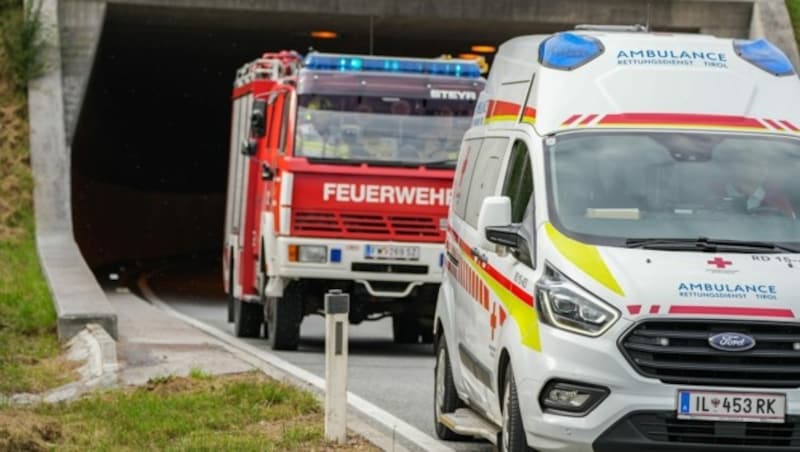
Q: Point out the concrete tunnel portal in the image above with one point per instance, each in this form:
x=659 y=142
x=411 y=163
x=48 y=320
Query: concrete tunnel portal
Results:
x=150 y=150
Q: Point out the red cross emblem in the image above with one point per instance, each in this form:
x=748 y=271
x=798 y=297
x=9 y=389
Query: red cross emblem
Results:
x=719 y=262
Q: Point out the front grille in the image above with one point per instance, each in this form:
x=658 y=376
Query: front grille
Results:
x=677 y=351
x=389 y=268
x=367 y=226
x=666 y=427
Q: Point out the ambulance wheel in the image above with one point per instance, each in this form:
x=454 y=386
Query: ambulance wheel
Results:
x=283 y=316
x=445 y=396
x=247 y=318
x=513 y=436
x=405 y=329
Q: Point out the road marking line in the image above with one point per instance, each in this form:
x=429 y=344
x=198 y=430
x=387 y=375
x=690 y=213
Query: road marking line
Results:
x=389 y=421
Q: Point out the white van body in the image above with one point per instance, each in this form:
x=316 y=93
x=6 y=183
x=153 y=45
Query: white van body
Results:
x=640 y=278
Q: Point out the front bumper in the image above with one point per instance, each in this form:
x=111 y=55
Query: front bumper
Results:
x=353 y=265
x=598 y=361
x=657 y=431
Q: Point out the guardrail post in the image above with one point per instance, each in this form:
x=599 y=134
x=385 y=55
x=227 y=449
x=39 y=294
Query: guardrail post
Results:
x=337 y=307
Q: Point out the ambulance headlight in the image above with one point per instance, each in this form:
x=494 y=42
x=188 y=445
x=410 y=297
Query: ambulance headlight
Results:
x=565 y=305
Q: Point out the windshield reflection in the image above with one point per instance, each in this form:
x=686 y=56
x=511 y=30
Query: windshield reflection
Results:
x=381 y=129
x=608 y=187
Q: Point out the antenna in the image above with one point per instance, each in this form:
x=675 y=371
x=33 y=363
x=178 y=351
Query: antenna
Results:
x=371 y=35
x=647 y=19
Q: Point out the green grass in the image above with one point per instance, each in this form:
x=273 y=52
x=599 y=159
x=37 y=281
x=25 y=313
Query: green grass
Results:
x=794 y=13
x=241 y=412
x=28 y=345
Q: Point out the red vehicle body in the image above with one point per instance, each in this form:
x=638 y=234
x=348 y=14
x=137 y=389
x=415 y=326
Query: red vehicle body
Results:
x=339 y=178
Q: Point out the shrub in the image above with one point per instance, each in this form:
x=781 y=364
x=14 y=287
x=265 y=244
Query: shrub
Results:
x=23 y=41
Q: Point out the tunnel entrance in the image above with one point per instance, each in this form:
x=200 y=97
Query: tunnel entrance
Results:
x=150 y=148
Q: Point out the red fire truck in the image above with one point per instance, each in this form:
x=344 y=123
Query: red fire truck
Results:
x=339 y=178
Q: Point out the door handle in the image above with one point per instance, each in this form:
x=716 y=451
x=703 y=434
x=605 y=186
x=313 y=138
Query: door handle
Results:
x=478 y=255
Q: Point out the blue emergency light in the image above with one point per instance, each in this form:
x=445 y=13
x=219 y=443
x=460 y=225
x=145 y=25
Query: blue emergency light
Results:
x=764 y=55
x=567 y=51
x=346 y=63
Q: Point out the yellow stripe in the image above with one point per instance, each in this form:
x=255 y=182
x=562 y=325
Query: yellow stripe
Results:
x=498 y=118
x=585 y=257
x=522 y=313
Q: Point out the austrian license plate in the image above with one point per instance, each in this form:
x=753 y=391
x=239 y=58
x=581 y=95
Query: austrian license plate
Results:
x=731 y=406
x=395 y=252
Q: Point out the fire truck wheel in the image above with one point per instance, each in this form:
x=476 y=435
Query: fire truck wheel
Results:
x=283 y=317
x=247 y=318
x=406 y=329
x=445 y=396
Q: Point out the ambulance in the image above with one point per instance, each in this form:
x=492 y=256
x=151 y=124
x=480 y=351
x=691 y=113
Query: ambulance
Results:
x=339 y=177
x=623 y=248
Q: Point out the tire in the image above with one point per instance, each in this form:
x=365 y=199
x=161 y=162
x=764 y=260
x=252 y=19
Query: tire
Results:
x=513 y=436
x=445 y=396
x=283 y=316
x=247 y=318
x=405 y=329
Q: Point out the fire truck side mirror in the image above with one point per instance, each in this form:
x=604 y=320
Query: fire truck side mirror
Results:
x=258 y=127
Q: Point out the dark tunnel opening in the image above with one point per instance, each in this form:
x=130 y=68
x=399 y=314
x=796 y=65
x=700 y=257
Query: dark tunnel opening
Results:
x=150 y=148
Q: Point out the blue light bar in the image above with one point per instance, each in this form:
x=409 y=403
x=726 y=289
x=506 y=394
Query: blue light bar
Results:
x=567 y=51
x=764 y=55
x=351 y=63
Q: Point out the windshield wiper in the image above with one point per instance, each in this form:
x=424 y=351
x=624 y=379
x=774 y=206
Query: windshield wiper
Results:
x=357 y=162
x=439 y=163
x=708 y=245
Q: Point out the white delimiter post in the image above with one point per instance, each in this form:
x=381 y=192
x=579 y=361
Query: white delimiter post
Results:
x=337 y=306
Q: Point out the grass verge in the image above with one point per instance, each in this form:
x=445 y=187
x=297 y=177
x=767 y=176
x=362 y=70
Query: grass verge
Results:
x=239 y=412
x=29 y=349
x=794 y=14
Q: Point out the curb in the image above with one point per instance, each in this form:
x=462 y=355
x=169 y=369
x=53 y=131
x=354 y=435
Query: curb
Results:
x=99 y=351
x=280 y=369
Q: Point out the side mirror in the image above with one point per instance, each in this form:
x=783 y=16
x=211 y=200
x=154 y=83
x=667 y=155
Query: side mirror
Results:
x=258 y=126
x=495 y=211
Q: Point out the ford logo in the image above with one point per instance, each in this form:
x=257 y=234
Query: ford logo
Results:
x=732 y=342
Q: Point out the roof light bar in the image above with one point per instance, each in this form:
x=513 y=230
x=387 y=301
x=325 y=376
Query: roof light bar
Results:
x=764 y=55
x=567 y=51
x=344 y=63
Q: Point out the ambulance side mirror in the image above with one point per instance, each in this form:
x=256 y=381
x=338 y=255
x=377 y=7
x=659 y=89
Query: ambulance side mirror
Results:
x=495 y=211
x=258 y=126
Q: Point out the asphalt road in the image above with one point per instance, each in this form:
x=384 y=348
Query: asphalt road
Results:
x=397 y=378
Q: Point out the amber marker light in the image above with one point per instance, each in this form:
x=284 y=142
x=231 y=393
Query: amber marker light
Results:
x=324 y=34
x=482 y=48
x=468 y=56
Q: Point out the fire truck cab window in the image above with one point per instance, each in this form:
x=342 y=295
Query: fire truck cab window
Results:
x=381 y=128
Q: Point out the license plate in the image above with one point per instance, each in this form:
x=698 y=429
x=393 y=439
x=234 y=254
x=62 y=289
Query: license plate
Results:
x=394 y=252
x=731 y=406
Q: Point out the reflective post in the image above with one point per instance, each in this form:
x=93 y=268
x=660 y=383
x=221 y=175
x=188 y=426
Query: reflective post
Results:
x=337 y=307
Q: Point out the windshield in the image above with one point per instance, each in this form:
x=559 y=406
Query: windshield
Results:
x=608 y=188
x=381 y=129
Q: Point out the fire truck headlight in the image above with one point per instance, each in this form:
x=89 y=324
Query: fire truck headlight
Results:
x=317 y=254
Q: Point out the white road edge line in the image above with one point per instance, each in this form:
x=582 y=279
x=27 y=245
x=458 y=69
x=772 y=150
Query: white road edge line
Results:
x=389 y=421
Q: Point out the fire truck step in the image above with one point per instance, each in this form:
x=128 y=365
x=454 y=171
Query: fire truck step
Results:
x=466 y=422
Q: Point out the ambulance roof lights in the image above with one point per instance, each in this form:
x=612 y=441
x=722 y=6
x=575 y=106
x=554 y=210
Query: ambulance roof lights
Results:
x=567 y=51
x=765 y=55
x=344 y=63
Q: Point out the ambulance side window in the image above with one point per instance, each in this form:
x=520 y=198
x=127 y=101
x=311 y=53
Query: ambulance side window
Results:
x=518 y=186
x=469 y=150
x=485 y=177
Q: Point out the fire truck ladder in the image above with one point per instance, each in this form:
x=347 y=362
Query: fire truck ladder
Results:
x=271 y=66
